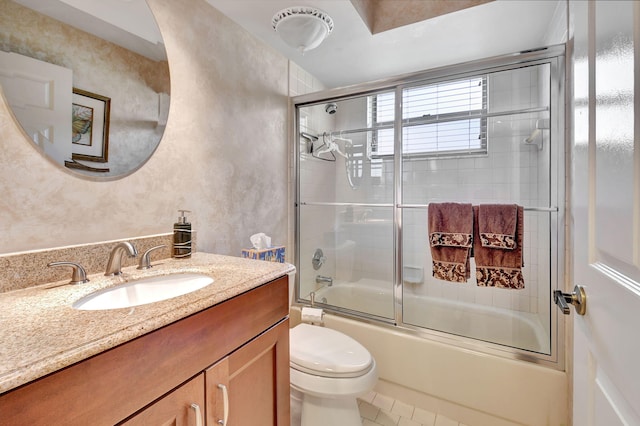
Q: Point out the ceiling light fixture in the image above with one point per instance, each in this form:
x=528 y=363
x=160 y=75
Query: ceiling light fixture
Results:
x=302 y=27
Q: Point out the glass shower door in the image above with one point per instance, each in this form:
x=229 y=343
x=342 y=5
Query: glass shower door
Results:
x=345 y=210
x=480 y=140
x=479 y=134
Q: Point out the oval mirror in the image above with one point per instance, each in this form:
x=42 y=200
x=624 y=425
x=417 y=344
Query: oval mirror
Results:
x=88 y=81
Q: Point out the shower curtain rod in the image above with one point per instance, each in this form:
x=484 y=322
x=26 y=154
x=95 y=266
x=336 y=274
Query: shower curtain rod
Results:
x=413 y=206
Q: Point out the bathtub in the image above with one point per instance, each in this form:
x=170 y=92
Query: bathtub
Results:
x=473 y=387
x=487 y=323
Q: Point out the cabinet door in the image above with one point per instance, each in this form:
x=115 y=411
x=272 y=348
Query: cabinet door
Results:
x=182 y=407
x=256 y=377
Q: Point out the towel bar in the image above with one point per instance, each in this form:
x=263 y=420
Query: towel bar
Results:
x=527 y=209
x=552 y=209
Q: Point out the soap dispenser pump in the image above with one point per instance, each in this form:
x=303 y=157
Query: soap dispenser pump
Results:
x=182 y=236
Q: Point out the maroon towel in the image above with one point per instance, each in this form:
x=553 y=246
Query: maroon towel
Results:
x=498 y=254
x=450 y=232
x=497 y=225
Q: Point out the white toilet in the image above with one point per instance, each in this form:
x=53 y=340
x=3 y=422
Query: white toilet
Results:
x=329 y=370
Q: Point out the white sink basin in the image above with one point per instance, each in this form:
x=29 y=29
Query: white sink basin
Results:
x=141 y=292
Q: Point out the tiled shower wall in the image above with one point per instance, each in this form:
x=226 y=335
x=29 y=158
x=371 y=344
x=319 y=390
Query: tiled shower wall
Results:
x=302 y=82
x=512 y=172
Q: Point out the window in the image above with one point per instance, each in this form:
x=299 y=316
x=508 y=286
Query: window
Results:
x=446 y=118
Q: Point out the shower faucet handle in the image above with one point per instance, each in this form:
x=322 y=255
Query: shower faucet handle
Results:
x=318 y=259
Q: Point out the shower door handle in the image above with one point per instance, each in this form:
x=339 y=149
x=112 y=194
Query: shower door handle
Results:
x=578 y=299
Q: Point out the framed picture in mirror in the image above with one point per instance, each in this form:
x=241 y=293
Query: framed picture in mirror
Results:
x=90 y=126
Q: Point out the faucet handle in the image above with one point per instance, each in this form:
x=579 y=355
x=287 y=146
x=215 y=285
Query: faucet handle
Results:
x=79 y=275
x=145 y=260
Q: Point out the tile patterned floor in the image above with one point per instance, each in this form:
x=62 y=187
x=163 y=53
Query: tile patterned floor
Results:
x=380 y=410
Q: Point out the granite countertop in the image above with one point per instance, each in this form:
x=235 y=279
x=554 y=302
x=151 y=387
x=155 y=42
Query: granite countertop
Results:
x=41 y=332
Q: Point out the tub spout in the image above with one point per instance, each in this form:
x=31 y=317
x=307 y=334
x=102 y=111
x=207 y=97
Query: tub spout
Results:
x=321 y=279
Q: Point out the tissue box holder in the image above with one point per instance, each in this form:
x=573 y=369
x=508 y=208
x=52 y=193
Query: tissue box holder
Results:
x=271 y=254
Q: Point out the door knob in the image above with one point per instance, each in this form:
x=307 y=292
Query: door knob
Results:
x=578 y=299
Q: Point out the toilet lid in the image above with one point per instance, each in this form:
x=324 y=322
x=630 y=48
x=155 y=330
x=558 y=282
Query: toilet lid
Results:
x=326 y=352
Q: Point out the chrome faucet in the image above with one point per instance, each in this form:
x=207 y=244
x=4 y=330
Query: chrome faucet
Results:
x=114 y=265
x=321 y=279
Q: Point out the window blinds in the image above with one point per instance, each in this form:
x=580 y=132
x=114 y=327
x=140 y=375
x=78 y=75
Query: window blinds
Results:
x=437 y=119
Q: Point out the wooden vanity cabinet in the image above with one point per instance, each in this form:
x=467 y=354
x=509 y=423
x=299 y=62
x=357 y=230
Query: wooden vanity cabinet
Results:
x=181 y=407
x=256 y=378
x=242 y=343
x=252 y=378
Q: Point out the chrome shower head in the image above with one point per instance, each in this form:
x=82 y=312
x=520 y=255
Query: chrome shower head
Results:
x=331 y=108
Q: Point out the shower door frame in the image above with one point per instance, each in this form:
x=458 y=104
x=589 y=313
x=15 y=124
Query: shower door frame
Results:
x=553 y=55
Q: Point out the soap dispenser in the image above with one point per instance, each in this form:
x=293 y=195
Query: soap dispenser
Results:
x=182 y=237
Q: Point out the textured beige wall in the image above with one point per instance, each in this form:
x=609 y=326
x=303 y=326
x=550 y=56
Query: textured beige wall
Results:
x=223 y=155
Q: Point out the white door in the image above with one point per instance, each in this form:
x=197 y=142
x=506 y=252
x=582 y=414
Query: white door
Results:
x=606 y=211
x=40 y=95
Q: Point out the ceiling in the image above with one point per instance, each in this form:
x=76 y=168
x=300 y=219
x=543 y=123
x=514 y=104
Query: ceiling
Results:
x=352 y=54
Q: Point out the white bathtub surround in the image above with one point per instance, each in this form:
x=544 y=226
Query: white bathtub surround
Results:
x=481 y=322
x=458 y=347
x=473 y=388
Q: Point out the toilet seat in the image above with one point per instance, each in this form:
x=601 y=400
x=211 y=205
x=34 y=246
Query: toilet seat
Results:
x=325 y=352
x=333 y=387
